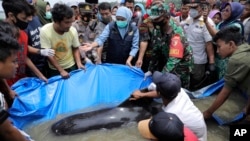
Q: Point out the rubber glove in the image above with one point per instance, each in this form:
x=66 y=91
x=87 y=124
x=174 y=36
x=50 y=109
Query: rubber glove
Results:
x=147 y=74
x=47 y=52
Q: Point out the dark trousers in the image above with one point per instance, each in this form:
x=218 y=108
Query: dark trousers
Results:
x=52 y=72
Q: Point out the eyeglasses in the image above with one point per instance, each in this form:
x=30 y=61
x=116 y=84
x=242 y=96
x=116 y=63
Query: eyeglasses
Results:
x=225 y=10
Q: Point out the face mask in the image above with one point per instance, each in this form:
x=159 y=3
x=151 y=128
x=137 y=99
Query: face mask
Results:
x=121 y=24
x=21 y=24
x=48 y=15
x=138 y=14
x=106 y=20
x=193 y=13
x=86 y=18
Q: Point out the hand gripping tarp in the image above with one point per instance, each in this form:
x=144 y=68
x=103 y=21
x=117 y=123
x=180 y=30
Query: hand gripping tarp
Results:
x=104 y=84
x=99 y=84
x=219 y=117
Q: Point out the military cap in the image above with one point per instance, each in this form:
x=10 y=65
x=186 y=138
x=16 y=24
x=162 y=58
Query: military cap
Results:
x=85 y=8
x=157 y=10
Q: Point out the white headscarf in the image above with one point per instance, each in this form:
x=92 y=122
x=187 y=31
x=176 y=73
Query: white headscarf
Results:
x=125 y=13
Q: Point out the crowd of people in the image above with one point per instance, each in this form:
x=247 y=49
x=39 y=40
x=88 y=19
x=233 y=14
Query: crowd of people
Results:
x=207 y=40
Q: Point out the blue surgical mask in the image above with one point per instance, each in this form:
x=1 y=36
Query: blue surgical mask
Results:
x=121 y=24
x=193 y=13
x=48 y=15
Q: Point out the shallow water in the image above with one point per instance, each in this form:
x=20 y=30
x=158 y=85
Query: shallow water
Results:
x=42 y=132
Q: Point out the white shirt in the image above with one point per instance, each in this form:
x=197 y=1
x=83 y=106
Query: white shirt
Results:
x=189 y=114
x=181 y=21
x=197 y=36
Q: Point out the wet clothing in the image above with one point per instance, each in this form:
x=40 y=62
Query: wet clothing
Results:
x=157 y=58
x=62 y=44
x=21 y=55
x=238 y=69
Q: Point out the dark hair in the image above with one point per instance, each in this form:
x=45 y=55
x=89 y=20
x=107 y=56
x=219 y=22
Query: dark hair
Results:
x=8 y=44
x=18 y=6
x=104 y=6
x=61 y=11
x=47 y=3
x=230 y=33
x=247 y=2
x=130 y=1
x=115 y=7
x=11 y=30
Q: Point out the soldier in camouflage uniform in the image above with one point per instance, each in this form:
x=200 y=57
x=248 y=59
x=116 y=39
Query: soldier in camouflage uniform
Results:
x=156 y=32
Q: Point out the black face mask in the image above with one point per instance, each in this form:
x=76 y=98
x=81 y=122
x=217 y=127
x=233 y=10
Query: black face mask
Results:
x=106 y=20
x=86 y=18
x=21 y=24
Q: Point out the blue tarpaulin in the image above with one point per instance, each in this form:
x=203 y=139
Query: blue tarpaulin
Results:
x=99 y=84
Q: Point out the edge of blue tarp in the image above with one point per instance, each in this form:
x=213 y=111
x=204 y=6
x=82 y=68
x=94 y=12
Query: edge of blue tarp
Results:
x=105 y=84
x=210 y=90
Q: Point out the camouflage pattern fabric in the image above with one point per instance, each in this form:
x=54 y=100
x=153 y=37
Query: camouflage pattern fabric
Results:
x=158 y=51
x=221 y=66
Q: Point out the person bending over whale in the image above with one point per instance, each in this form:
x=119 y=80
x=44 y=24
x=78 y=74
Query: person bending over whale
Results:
x=175 y=100
x=230 y=44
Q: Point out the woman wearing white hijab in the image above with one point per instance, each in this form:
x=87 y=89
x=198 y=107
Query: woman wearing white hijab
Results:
x=122 y=37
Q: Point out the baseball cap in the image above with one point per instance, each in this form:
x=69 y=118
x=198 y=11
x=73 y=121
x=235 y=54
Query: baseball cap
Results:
x=168 y=84
x=157 y=10
x=162 y=126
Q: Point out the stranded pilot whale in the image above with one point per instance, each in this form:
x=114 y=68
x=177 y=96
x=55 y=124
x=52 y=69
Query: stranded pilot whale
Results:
x=128 y=111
